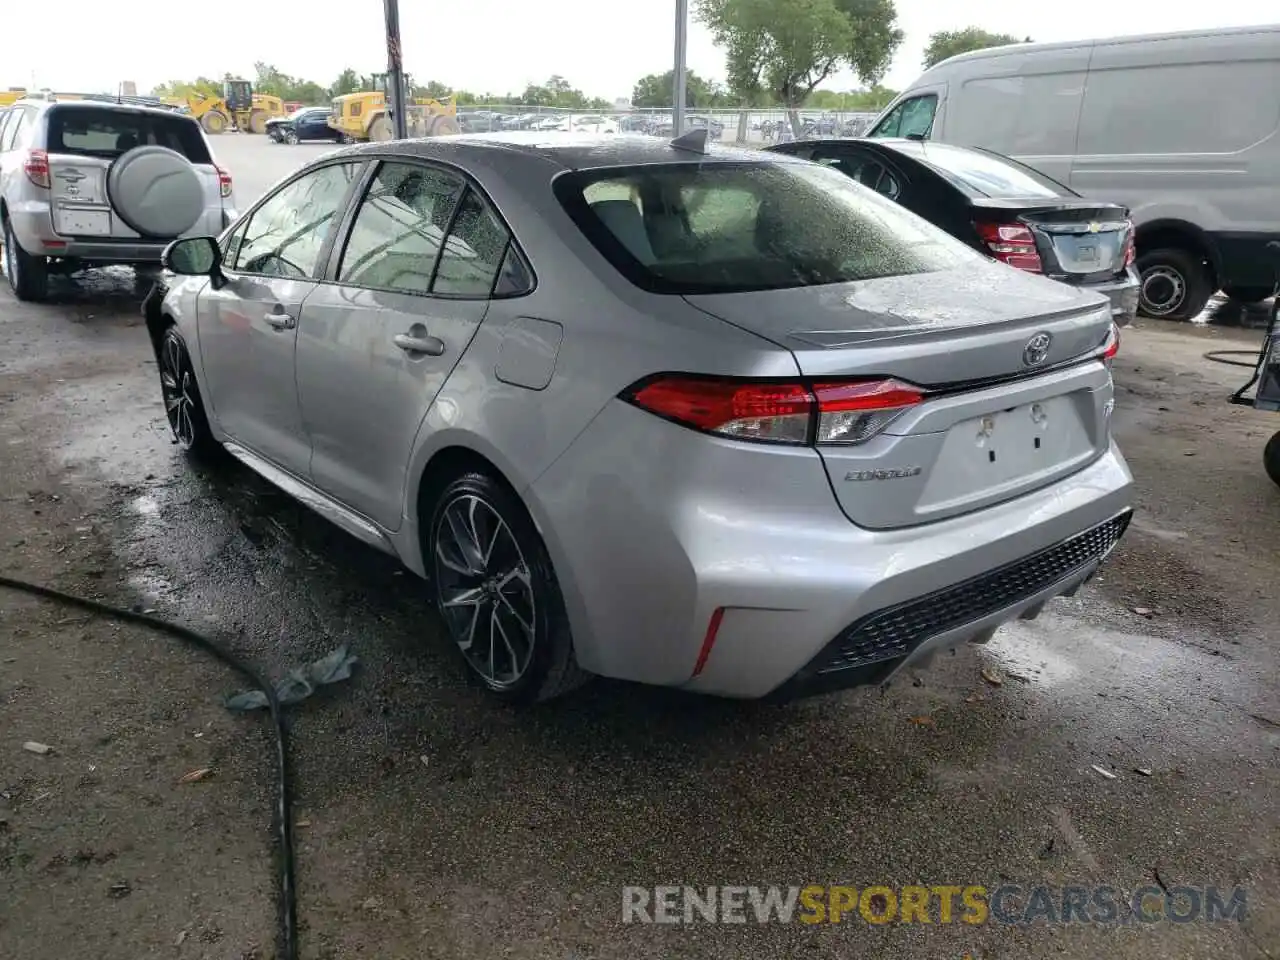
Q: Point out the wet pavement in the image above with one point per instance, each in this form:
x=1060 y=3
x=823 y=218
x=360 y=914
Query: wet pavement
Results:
x=439 y=825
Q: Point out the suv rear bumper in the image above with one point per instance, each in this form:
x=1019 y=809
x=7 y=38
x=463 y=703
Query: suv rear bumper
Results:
x=32 y=227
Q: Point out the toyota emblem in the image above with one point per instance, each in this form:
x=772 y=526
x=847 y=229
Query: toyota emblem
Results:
x=1037 y=349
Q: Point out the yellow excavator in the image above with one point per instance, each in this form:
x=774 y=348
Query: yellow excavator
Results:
x=363 y=115
x=239 y=108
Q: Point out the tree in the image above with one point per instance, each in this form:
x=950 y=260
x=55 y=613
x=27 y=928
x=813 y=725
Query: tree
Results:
x=658 y=90
x=199 y=87
x=348 y=82
x=950 y=43
x=784 y=49
x=557 y=92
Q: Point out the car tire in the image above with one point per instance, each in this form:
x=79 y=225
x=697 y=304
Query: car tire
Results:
x=1175 y=284
x=496 y=591
x=1271 y=458
x=28 y=275
x=183 y=405
x=291 y=138
x=1248 y=295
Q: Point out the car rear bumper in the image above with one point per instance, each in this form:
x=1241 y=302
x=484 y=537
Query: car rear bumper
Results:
x=729 y=569
x=1123 y=295
x=32 y=226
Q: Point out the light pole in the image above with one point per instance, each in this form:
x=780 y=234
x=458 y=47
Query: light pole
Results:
x=678 y=84
x=397 y=96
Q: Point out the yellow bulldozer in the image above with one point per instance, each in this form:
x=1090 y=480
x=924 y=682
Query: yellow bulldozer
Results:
x=363 y=115
x=238 y=108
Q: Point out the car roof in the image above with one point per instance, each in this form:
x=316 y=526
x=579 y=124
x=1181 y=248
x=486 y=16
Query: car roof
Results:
x=571 y=151
x=132 y=108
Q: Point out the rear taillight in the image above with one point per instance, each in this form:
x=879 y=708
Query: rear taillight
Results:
x=1011 y=243
x=845 y=412
x=224 y=181
x=1111 y=345
x=1130 y=245
x=36 y=168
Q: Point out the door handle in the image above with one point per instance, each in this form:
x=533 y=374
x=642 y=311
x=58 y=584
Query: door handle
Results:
x=431 y=346
x=280 y=320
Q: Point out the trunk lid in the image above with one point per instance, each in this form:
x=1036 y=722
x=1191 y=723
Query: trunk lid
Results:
x=1079 y=240
x=1004 y=416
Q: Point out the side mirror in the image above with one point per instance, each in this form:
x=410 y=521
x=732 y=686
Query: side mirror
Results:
x=192 y=257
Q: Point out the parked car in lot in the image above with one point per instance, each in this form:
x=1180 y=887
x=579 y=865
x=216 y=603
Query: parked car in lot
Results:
x=1182 y=128
x=87 y=184
x=998 y=206
x=537 y=367
x=307 y=124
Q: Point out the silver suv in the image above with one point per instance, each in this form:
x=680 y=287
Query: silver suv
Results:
x=65 y=167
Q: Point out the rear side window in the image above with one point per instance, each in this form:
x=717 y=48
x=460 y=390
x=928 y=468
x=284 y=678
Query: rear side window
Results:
x=985 y=174
x=732 y=227
x=94 y=132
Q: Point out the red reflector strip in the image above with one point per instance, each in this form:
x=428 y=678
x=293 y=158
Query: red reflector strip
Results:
x=709 y=641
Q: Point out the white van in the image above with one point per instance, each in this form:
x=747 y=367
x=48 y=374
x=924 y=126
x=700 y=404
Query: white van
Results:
x=1183 y=128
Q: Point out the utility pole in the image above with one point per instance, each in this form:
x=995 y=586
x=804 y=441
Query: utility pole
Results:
x=397 y=96
x=678 y=84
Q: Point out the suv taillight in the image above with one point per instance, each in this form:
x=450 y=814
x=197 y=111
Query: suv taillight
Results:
x=845 y=412
x=36 y=168
x=224 y=181
x=1011 y=243
x=1111 y=345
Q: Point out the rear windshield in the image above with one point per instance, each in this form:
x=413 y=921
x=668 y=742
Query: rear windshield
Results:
x=91 y=131
x=731 y=227
x=988 y=175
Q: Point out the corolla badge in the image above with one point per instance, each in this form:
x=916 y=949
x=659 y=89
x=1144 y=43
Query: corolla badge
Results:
x=892 y=473
x=1037 y=349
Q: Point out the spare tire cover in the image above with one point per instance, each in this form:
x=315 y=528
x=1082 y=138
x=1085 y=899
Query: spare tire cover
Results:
x=156 y=191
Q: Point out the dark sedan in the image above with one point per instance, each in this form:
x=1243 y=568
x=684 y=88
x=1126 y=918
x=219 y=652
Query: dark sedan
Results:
x=997 y=205
x=309 y=123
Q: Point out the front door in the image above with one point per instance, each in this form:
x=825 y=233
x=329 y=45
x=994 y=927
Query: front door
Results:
x=248 y=327
x=376 y=346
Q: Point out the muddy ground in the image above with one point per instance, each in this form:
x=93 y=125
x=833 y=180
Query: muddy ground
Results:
x=435 y=824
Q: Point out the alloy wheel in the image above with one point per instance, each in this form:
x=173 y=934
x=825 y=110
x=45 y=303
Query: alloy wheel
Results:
x=175 y=386
x=485 y=589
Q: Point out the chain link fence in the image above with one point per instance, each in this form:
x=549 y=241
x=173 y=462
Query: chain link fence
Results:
x=750 y=127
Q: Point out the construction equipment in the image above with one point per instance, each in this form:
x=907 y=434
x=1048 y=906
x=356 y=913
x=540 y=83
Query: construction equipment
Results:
x=364 y=115
x=12 y=95
x=239 y=108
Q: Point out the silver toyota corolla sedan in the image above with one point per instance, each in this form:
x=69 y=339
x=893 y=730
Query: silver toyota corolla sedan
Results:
x=719 y=420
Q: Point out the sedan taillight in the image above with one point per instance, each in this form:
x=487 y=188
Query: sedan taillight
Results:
x=788 y=412
x=1011 y=243
x=1130 y=244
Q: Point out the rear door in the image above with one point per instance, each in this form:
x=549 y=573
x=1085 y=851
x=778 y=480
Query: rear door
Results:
x=412 y=283
x=248 y=326
x=83 y=142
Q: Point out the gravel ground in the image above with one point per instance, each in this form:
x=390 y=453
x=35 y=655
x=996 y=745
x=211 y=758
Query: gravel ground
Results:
x=434 y=824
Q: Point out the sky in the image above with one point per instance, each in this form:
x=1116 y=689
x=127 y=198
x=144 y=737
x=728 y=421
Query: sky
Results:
x=489 y=45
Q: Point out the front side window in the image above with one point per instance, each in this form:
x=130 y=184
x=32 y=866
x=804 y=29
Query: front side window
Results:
x=286 y=235
x=729 y=227
x=396 y=237
x=910 y=118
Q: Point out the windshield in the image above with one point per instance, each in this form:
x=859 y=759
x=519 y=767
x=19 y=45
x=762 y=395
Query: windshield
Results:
x=300 y=112
x=98 y=132
x=730 y=227
x=988 y=174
